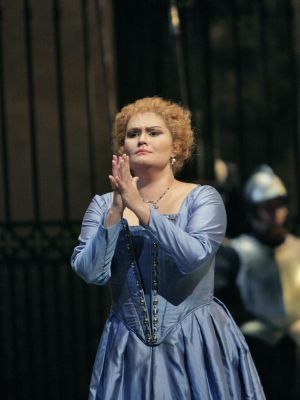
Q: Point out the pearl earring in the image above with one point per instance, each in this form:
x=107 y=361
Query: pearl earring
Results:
x=173 y=160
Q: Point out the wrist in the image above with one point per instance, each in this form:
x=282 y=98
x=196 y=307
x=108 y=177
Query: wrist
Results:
x=142 y=211
x=115 y=210
x=113 y=216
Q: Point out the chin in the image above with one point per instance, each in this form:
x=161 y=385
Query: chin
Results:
x=140 y=163
x=273 y=237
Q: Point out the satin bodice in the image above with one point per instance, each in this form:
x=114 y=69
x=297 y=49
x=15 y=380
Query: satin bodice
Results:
x=177 y=294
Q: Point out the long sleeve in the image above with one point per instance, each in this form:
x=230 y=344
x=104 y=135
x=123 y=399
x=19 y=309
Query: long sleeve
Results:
x=91 y=259
x=197 y=243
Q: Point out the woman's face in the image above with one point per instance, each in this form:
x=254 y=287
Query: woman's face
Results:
x=148 y=141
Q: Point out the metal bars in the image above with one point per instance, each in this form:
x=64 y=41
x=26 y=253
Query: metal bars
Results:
x=28 y=14
x=61 y=107
x=5 y=161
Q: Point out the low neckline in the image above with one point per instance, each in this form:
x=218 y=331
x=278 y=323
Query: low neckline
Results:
x=171 y=214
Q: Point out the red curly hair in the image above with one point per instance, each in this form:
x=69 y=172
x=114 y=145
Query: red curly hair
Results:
x=176 y=118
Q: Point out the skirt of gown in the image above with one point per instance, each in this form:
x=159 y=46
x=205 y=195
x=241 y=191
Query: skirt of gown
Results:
x=203 y=357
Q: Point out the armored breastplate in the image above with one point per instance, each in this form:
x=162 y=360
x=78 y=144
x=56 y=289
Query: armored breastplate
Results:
x=269 y=283
x=259 y=280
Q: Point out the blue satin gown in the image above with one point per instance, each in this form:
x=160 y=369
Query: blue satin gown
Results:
x=167 y=337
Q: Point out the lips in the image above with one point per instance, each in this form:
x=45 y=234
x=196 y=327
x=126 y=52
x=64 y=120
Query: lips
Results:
x=142 y=151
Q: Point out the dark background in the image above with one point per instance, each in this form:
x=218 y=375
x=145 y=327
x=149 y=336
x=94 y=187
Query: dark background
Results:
x=65 y=68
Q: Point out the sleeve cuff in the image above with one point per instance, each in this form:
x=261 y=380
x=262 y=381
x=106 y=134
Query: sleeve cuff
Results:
x=110 y=232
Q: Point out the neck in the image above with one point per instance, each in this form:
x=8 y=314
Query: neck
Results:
x=151 y=184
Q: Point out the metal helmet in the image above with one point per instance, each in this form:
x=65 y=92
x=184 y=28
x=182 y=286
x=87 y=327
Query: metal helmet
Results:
x=264 y=185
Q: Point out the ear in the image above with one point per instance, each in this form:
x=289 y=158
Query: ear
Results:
x=175 y=150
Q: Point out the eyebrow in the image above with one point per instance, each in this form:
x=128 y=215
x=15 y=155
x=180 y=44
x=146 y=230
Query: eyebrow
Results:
x=147 y=129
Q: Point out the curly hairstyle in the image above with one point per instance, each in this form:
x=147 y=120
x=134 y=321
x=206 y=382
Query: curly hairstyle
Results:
x=176 y=118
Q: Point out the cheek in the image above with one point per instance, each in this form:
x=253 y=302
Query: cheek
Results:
x=165 y=146
x=126 y=147
x=264 y=217
x=281 y=216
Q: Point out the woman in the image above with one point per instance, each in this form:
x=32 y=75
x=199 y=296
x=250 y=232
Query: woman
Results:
x=154 y=238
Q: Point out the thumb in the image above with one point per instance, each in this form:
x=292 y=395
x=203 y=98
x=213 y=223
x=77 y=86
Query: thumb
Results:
x=135 y=180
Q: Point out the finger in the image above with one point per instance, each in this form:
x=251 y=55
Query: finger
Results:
x=125 y=157
x=113 y=182
x=119 y=184
x=115 y=166
x=124 y=167
x=121 y=167
x=114 y=158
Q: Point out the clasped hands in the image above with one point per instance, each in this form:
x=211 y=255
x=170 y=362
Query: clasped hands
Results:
x=125 y=192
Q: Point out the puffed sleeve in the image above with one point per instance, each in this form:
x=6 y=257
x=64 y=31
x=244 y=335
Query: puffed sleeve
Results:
x=194 y=244
x=91 y=259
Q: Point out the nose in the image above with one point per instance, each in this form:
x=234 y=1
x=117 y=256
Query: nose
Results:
x=142 y=139
x=280 y=215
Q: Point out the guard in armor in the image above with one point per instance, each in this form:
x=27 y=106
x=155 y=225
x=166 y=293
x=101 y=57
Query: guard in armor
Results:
x=268 y=280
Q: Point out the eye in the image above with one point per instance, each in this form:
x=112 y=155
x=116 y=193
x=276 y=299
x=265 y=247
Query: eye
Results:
x=132 y=133
x=154 y=132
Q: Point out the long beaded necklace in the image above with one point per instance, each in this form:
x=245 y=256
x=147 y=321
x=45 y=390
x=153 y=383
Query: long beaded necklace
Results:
x=150 y=323
x=154 y=203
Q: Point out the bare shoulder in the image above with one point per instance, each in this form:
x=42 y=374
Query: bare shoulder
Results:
x=184 y=187
x=171 y=204
x=181 y=191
